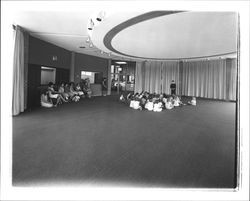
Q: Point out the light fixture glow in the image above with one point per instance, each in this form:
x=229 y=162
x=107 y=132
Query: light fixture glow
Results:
x=121 y=62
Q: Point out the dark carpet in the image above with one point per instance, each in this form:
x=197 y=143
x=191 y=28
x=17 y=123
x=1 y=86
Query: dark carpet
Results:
x=102 y=141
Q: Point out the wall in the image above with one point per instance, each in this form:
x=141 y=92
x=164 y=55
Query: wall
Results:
x=41 y=53
x=89 y=63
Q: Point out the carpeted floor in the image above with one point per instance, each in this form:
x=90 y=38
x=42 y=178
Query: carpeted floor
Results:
x=102 y=141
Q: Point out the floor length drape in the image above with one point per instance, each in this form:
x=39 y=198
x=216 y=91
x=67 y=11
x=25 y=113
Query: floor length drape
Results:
x=205 y=78
x=18 y=101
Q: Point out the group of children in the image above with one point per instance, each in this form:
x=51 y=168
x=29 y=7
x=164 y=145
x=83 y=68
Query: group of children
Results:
x=154 y=102
x=66 y=92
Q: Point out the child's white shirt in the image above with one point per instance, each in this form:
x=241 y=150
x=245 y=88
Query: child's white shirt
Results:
x=168 y=105
x=149 y=105
x=136 y=105
x=193 y=102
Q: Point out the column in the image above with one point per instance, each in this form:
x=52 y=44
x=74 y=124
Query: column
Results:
x=72 y=68
x=109 y=77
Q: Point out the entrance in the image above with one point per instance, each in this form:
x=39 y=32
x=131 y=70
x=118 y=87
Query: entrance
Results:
x=122 y=77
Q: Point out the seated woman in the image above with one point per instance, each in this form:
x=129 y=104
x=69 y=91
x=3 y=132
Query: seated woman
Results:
x=193 y=101
x=62 y=91
x=168 y=104
x=45 y=101
x=71 y=88
x=67 y=91
x=79 y=90
x=75 y=96
x=55 y=96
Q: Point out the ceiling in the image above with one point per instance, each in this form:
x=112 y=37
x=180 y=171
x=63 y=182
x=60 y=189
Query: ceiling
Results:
x=165 y=35
x=136 y=35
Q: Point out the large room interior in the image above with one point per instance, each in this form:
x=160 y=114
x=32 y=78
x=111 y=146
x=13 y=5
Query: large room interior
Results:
x=100 y=141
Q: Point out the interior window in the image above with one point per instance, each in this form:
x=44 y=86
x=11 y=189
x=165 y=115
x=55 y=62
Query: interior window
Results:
x=47 y=75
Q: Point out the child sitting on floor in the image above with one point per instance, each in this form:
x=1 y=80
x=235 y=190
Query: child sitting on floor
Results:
x=143 y=101
x=134 y=102
x=177 y=101
x=45 y=102
x=157 y=106
x=62 y=92
x=168 y=103
x=193 y=101
x=150 y=104
x=136 y=105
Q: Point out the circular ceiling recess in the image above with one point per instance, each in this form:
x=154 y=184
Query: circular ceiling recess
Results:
x=168 y=35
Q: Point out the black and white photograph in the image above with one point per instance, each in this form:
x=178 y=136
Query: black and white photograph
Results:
x=124 y=100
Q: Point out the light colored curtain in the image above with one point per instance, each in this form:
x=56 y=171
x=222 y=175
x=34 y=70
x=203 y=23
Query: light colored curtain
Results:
x=26 y=63
x=148 y=77
x=210 y=79
x=147 y=70
x=139 y=77
x=231 y=79
x=152 y=76
x=18 y=100
x=170 y=71
x=155 y=77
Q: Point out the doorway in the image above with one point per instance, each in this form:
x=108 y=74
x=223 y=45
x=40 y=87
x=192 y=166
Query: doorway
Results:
x=122 y=77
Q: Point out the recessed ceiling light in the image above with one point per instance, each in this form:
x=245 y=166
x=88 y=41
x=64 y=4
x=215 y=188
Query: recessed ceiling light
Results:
x=121 y=62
